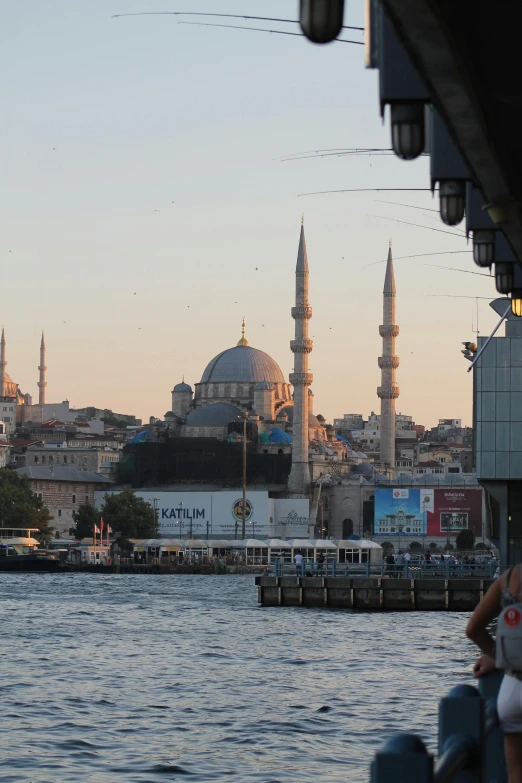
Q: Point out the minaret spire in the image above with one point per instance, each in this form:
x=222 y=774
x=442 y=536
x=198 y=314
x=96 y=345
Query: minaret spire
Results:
x=3 y=364
x=42 y=368
x=388 y=391
x=243 y=340
x=299 y=479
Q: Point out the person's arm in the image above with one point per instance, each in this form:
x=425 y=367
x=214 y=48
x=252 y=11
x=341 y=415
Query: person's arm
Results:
x=486 y=611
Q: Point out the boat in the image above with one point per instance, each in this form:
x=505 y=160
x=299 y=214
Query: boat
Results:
x=19 y=551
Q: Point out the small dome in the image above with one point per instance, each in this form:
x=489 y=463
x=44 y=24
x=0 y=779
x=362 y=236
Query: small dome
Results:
x=214 y=415
x=289 y=410
x=263 y=386
x=282 y=415
x=320 y=418
x=169 y=415
x=182 y=387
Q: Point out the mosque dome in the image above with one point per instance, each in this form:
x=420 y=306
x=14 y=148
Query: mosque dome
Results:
x=242 y=364
x=182 y=387
x=217 y=414
x=289 y=410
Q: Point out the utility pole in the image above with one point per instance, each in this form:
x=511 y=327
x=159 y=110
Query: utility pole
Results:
x=243 y=521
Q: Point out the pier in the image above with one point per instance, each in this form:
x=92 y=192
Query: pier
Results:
x=436 y=594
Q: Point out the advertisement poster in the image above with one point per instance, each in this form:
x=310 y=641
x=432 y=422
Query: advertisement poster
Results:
x=427 y=512
x=456 y=510
x=220 y=514
x=399 y=511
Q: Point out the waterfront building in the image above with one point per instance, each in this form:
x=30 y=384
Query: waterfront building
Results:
x=92 y=459
x=63 y=489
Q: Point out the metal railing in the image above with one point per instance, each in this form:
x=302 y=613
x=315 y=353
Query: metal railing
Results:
x=444 y=570
x=470 y=742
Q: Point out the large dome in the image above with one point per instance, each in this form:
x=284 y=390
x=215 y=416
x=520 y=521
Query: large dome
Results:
x=289 y=410
x=242 y=364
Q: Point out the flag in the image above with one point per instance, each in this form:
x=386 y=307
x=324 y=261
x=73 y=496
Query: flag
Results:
x=102 y=524
x=109 y=529
x=96 y=529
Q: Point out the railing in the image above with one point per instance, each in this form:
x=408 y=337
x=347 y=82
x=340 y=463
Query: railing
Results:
x=470 y=742
x=445 y=570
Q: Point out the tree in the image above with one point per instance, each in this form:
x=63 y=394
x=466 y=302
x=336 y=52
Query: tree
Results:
x=387 y=545
x=85 y=518
x=433 y=546
x=415 y=546
x=20 y=507
x=481 y=546
x=449 y=547
x=465 y=540
x=128 y=515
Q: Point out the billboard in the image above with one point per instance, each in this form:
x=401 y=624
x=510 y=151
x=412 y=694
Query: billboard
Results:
x=455 y=510
x=398 y=512
x=220 y=514
x=431 y=512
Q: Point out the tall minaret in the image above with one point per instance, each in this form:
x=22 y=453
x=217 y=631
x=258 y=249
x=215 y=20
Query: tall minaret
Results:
x=42 y=382
x=388 y=391
x=3 y=364
x=299 y=479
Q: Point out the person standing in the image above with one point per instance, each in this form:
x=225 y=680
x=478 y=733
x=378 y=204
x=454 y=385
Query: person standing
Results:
x=298 y=560
x=505 y=591
x=407 y=558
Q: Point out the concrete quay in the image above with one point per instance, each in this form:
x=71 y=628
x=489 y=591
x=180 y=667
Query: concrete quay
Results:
x=373 y=594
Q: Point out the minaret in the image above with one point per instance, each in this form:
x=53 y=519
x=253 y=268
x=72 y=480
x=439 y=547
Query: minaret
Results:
x=3 y=364
x=388 y=391
x=299 y=479
x=42 y=382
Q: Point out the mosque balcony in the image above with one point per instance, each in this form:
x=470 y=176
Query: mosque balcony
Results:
x=389 y=330
x=301 y=378
x=301 y=311
x=301 y=345
x=388 y=362
x=388 y=392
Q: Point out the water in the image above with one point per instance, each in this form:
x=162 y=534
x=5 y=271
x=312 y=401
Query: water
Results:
x=156 y=678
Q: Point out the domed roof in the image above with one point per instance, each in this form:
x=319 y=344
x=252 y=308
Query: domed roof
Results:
x=215 y=414
x=182 y=387
x=289 y=410
x=242 y=364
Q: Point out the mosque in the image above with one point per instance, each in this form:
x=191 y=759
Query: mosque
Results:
x=243 y=381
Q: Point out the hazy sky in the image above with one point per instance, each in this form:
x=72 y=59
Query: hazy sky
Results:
x=106 y=120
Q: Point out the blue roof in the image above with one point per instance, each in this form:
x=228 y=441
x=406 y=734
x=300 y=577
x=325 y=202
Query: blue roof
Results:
x=182 y=387
x=279 y=437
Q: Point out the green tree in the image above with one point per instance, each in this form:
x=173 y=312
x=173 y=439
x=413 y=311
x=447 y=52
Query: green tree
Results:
x=433 y=546
x=465 y=540
x=387 y=545
x=128 y=515
x=20 y=507
x=415 y=546
x=85 y=518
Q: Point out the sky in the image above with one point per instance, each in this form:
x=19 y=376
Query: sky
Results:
x=145 y=209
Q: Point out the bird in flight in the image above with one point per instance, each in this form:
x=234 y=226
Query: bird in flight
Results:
x=134 y=294
x=155 y=210
x=257 y=269
x=172 y=202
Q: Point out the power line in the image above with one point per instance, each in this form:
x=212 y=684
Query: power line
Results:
x=362 y=190
x=419 y=255
x=228 y=16
x=454 y=269
x=418 y=225
x=410 y=206
x=263 y=30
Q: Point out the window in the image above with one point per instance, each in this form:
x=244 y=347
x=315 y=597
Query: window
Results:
x=59 y=512
x=51 y=458
x=36 y=460
x=86 y=498
x=453 y=470
x=74 y=498
x=64 y=459
x=44 y=459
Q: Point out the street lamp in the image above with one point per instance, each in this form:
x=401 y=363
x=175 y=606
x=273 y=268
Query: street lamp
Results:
x=504 y=277
x=484 y=248
x=407 y=127
x=516 y=302
x=180 y=506
x=321 y=20
x=452 y=199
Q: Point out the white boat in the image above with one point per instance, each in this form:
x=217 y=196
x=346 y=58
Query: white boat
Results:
x=18 y=551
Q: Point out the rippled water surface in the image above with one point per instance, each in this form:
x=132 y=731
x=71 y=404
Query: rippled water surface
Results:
x=155 y=678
